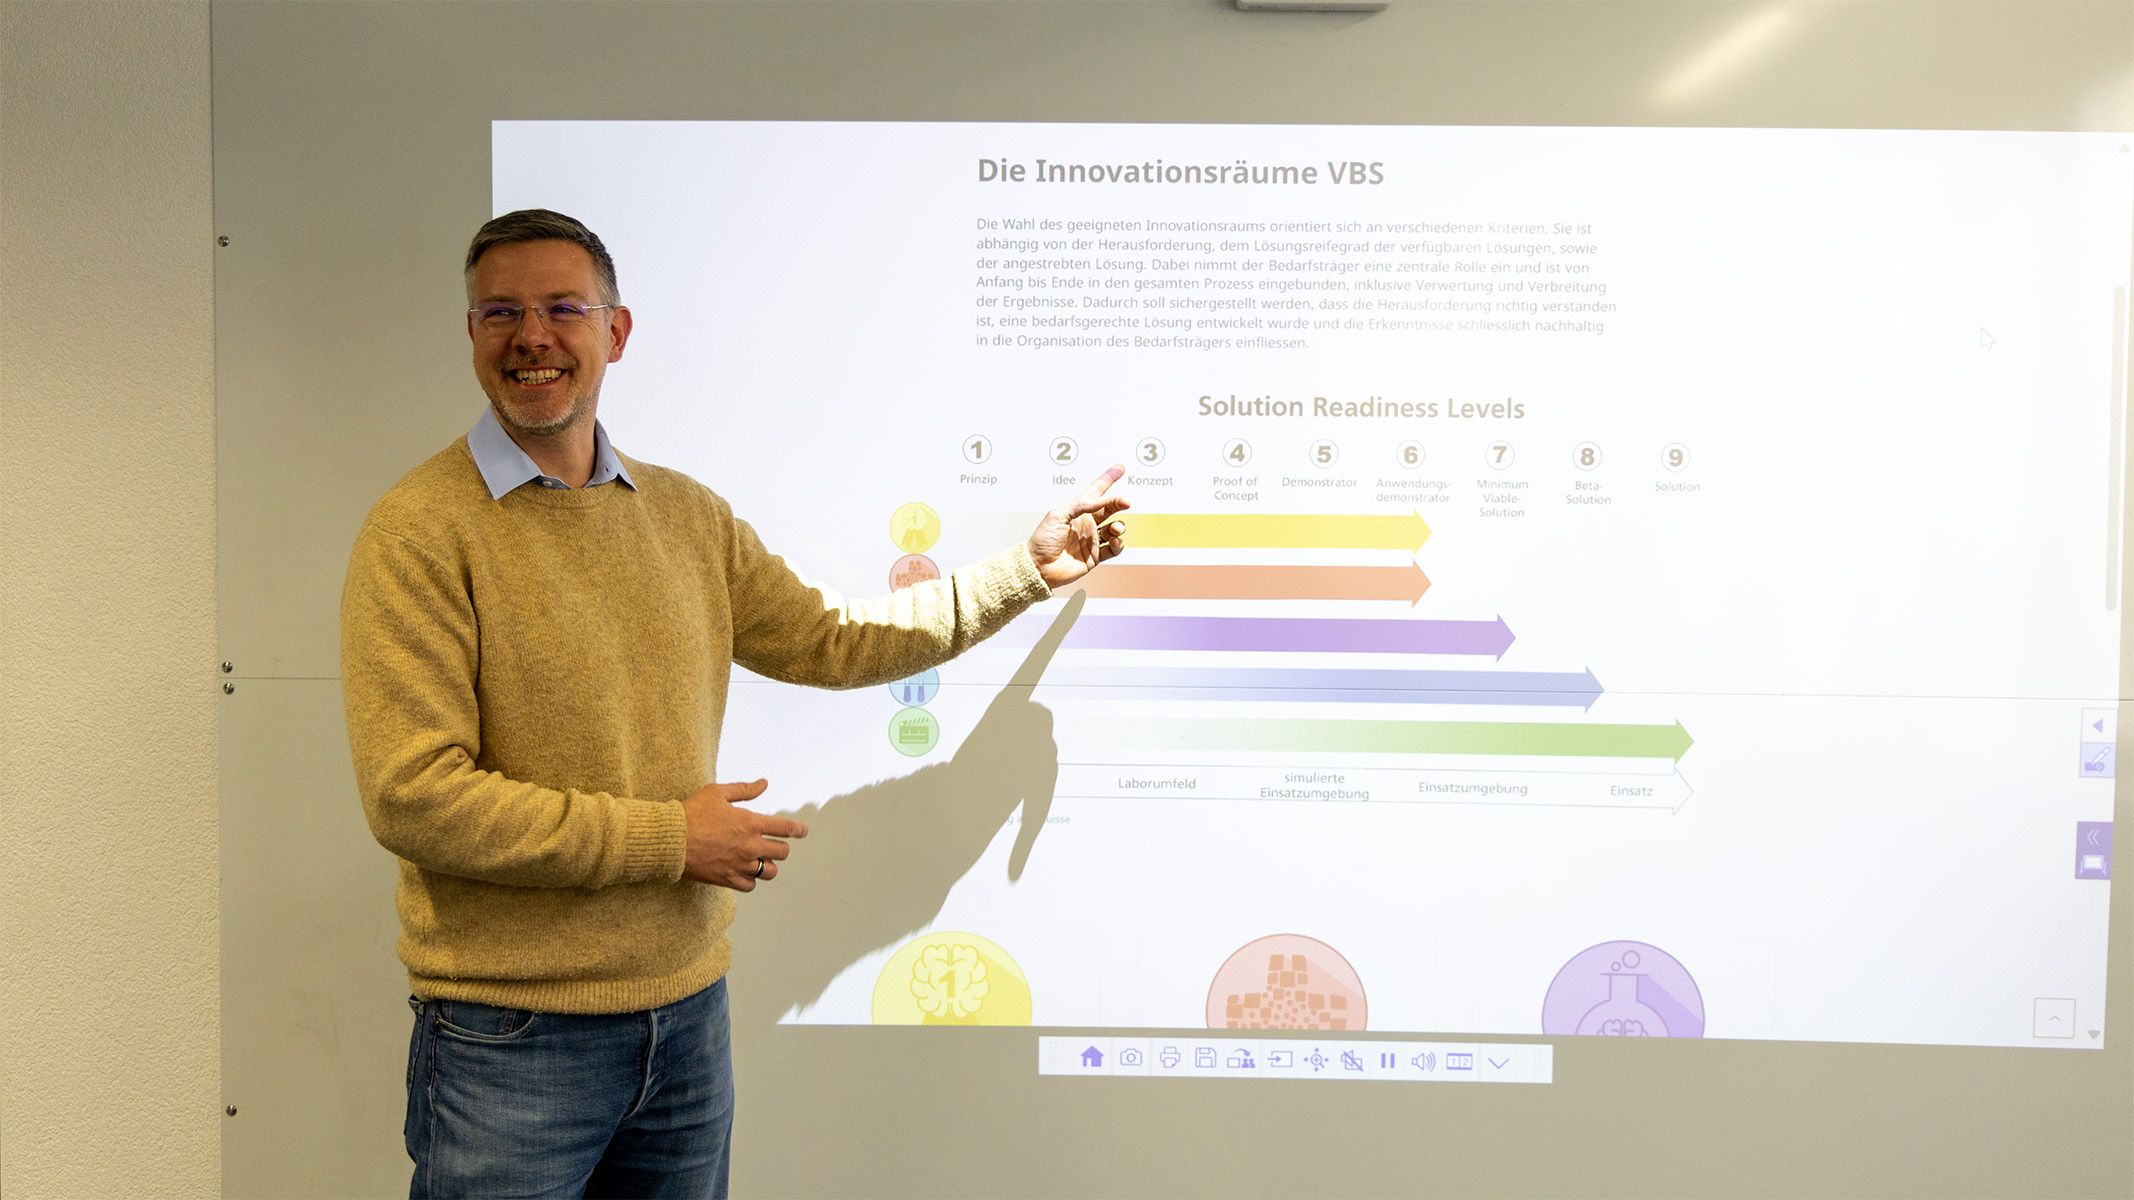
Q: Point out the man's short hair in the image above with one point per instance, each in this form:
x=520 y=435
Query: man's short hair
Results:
x=541 y=225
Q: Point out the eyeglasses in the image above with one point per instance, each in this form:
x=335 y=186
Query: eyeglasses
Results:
x=502 y=318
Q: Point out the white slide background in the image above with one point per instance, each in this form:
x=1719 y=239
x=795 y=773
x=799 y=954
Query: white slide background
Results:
x=1876 y=595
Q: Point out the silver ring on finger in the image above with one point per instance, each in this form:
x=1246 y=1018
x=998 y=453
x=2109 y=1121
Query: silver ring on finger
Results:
x=759 y=868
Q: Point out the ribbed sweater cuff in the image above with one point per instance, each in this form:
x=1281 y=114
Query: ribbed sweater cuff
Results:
x=655 y=842
x=1025 y=581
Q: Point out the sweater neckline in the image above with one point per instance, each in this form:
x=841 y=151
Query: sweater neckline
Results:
x=541 y=494
x=547 y=497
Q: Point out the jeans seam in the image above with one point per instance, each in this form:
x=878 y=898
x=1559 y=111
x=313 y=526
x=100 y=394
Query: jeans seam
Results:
x=644 y=1079
x=429 y=1105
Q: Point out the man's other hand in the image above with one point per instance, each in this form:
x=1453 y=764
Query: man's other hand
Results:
x=733 y=847
x=1073 y=539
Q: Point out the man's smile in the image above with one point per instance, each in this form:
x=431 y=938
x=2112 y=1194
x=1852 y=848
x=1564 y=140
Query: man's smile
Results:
x=536 y=377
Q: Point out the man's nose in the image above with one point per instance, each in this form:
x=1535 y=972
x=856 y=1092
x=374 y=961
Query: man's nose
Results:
x=532 y=333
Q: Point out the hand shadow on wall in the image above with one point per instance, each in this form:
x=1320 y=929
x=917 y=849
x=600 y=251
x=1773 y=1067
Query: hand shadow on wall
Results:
x=878 y=862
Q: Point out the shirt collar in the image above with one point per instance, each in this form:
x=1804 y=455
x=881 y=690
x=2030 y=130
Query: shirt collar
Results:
x=504 y=466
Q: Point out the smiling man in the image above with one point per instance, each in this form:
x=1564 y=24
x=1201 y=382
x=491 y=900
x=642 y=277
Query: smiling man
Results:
x=536 y=636
x=544 y=382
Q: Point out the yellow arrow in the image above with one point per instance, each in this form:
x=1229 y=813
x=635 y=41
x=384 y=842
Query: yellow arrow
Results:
x=1289 y=531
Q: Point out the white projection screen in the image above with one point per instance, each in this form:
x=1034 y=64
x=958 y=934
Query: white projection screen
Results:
x=1615 y=683
x=1675 y=565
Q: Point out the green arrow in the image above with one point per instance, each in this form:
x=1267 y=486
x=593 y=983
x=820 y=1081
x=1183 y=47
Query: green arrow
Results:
x=1537 y=738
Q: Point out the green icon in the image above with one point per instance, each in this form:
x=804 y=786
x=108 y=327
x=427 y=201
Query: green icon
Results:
x=913 y=731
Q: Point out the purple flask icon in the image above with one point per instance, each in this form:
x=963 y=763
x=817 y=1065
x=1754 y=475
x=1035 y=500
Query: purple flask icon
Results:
x=1622 y=1014
x=1623 y=989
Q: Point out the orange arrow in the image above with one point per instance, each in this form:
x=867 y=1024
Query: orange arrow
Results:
x=1123 y=582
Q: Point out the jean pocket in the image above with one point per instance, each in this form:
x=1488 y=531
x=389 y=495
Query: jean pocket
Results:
x=486 y=1023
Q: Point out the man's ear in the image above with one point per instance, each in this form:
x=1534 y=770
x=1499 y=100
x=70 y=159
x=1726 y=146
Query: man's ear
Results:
x=618 y=331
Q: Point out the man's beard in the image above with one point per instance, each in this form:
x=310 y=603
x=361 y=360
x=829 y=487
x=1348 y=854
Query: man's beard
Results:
x=563 y=420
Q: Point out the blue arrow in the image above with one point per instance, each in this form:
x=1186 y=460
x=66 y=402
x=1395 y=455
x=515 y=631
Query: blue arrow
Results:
x=1562 y=689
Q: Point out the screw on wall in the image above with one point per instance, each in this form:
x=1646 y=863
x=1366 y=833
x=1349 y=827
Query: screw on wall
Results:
x=232 y=1110
x=222 y=241
x=228 y=667
x=229 y=689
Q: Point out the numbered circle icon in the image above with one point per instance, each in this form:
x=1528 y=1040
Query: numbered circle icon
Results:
x=1325 y=454
x=1063 y=451
x=1675 y=456
x=977 y=448
x=1148 y=452
x=1499 y=455
x=1585 y=456
x=914 y=528
x=1237 y=452
x=1409 y=455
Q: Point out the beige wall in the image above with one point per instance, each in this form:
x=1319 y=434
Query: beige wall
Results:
x=108 y=999
x=110 y=1048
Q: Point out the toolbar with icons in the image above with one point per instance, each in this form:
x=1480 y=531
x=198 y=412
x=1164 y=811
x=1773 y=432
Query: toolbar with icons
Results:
x=1297 y=1058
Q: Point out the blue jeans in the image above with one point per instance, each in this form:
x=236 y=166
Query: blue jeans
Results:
x=506 y=1102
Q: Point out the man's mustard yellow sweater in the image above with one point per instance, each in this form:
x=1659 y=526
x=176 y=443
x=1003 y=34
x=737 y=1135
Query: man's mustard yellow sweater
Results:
x=534 y=683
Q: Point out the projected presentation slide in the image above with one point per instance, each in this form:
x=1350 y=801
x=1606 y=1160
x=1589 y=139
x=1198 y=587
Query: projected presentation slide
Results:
x=1622 y=582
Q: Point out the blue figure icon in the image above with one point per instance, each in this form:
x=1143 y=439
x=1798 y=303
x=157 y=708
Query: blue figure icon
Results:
x=916 y=690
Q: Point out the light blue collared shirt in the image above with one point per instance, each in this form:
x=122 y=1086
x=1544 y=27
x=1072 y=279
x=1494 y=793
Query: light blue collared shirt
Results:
x=504 y=466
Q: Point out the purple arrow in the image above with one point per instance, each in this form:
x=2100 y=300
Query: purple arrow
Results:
x=1562 y=689
x=1330 y=635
